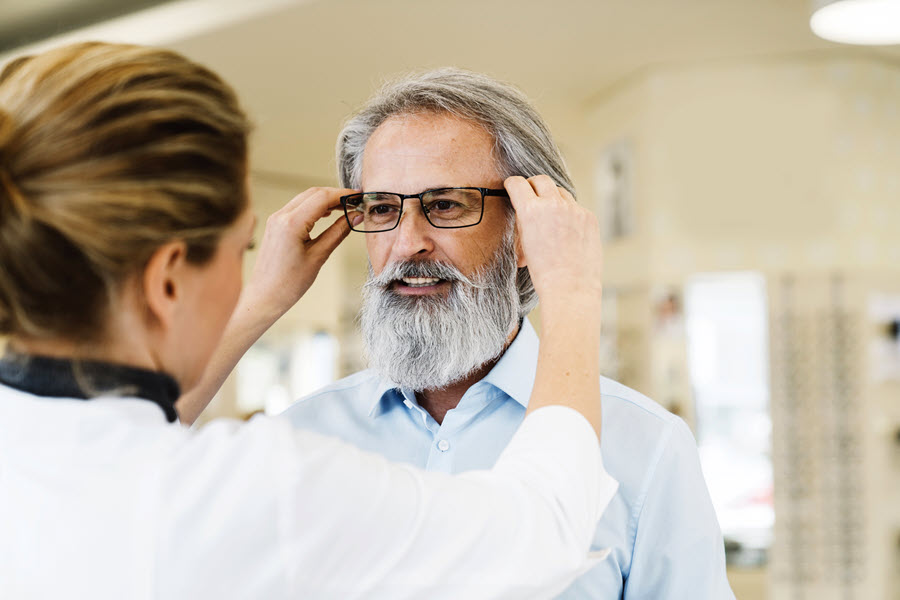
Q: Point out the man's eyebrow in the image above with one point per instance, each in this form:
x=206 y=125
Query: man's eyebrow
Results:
x=430 y=187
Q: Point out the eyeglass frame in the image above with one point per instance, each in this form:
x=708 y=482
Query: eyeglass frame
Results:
x=484 y=192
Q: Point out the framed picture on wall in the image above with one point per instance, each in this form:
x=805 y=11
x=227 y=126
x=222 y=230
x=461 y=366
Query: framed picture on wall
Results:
x=613 y=186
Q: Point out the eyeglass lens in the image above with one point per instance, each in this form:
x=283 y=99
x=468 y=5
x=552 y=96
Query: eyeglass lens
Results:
x=444 y=208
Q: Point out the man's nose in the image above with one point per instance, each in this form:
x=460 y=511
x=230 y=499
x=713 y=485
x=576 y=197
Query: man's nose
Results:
x=413 y=232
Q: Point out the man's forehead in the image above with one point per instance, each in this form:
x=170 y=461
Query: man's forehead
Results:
x=429 y=149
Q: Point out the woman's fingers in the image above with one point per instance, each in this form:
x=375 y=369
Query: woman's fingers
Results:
x=559 y=238
x=331 y=238
x=289 y=258
x=520 y=191
x=316 y=199
x=544 y=186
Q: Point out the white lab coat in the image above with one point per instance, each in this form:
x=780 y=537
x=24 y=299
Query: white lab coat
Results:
x=105 y=499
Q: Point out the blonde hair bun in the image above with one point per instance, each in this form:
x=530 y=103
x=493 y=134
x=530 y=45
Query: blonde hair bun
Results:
x=108 y=151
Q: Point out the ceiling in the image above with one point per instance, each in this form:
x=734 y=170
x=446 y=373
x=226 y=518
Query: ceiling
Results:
x=301 y=67
x=26 y=21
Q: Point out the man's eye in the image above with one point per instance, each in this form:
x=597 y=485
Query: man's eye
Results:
x=382 y=209
x=444 y=205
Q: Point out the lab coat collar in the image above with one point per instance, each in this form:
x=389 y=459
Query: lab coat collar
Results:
x=85 y=380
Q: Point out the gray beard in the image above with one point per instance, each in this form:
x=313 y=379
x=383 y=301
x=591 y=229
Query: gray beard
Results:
x=429 y=342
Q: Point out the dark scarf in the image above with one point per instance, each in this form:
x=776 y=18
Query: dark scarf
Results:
x=84 y=380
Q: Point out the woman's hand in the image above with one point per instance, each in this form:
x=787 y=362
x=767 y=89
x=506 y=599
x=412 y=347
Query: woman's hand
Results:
x=289 y=258
x=560 y=240
x=561 y=244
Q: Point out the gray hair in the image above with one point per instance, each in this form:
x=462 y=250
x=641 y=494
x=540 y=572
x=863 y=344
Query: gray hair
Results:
x=522 y=141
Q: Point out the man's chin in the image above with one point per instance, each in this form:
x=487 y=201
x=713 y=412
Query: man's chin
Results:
x=404 y=375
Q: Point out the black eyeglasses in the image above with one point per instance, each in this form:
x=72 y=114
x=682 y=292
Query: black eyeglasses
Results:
x=446 y=208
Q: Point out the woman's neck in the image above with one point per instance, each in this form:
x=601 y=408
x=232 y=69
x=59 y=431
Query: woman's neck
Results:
x=101 y=351
x=125 y=340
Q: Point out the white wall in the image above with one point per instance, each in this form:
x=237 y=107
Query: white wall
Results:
x=787 y=167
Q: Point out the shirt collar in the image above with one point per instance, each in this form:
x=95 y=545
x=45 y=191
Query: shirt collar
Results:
x=85 y=380
x=515 y=371
x=386 y=394
x=513 y=374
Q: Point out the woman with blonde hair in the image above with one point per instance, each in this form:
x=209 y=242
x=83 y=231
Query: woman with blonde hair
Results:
x=124 y=217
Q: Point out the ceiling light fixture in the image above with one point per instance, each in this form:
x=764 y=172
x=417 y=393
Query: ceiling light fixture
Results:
x=865 y=22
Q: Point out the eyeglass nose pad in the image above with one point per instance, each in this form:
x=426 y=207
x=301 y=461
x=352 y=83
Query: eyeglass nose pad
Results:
x=414 y=231
x=413 y=207
x=405 y=217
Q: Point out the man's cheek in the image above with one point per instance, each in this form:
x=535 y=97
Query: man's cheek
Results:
x=377 y=255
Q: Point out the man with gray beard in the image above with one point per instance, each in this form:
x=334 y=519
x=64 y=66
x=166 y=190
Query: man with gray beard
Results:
x=452 y=355
x=433 y=159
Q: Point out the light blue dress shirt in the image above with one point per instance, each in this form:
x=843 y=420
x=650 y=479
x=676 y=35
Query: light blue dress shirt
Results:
x=661 y=527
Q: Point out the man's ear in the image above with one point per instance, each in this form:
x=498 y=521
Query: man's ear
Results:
x=163 y=282
x=520 y=254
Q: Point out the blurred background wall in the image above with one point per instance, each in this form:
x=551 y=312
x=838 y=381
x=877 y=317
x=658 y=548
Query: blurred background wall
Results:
x=746 y=175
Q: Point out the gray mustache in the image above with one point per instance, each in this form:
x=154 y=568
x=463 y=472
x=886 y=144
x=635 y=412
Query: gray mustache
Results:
x=418 y=268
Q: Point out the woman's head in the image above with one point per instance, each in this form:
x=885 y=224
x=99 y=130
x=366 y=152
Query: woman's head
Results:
x=108 y=153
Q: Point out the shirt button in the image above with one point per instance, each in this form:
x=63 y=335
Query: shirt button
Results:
x=443 y=445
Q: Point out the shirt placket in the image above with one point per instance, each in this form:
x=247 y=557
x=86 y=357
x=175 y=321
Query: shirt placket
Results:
x=445 y=437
